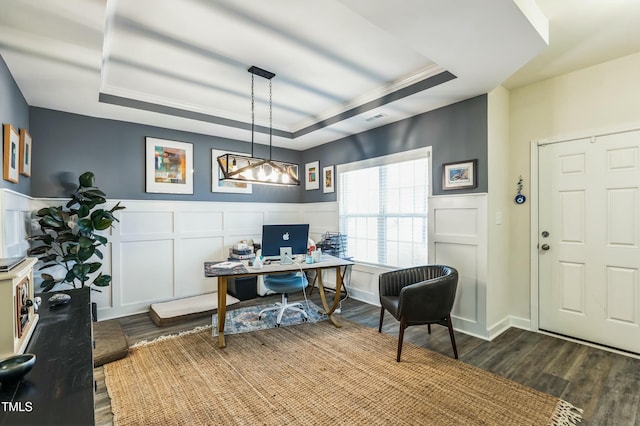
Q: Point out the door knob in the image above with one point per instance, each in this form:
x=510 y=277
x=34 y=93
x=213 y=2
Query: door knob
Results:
x=545 y=247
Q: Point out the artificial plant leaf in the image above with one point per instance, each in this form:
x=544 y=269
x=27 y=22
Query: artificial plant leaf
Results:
x=45 y=238
x=85 y=242
x=56 y=212
x=49 y=258
x=38 y=250
x=71 y=276
x=101 y=239
x=85 y=226
x=80 y=271
x=85 y=253
x=86 y=179
x=50 y=222
x=48 y=265
x=102 y=224
x=99 y=253
x=94 y=192
x=94 y=266
x=65 y=237
x=117 y=207
x=47 y=285
x=43 y=212
x=102 y=280
x=83 y=211
x=47 y=277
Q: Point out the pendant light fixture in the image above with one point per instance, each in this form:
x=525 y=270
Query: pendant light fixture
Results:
x=250 y=169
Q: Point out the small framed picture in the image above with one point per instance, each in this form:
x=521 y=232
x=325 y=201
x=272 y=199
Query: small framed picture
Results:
x=218 y=185
x=169 y=166
x=25 y=152
x=459 y=175
x=11 y=154
x=328 y=179
x=312 y=175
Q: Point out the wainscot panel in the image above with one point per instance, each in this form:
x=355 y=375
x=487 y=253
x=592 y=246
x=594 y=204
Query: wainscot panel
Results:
x=15 y=212
x=458 y=238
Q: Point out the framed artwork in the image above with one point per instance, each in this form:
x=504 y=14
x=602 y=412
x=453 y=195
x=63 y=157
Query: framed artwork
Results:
x=218 y=185
x=459 y=175
x=312 y=175
x=11 y=154
x=328 y=179
x=169 y=166
x=25 y=152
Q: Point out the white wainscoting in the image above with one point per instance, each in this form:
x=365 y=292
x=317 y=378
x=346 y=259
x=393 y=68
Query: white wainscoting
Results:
x=158 y=248
x=15 y=212
x=458 y=238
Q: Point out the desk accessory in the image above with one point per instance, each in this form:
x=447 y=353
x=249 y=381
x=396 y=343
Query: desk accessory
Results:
x=59 y=299
x=15 y=367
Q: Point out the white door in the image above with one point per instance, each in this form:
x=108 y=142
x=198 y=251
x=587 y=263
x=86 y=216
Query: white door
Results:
x=589 y=239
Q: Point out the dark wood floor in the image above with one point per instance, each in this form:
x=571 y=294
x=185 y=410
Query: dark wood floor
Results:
x=606 y=385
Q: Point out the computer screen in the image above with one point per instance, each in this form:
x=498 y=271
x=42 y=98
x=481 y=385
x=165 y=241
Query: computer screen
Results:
x=276 y=236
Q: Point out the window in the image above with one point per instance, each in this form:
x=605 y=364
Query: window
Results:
x=383 y=208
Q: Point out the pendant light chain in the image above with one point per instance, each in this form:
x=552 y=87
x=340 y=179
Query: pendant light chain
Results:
x=253 y=114
x=270 y=117
x=250 y=169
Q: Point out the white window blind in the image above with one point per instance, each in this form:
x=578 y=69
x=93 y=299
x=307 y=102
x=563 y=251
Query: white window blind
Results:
x=383 y=208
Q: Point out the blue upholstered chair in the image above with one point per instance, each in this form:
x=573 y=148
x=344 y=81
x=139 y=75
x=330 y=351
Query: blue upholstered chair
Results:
x=285 y=284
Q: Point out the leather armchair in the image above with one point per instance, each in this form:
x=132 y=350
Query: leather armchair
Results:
x=419 y=295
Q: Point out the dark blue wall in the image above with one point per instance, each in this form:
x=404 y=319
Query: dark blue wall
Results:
x=15 y=111
x=66 y=145
x=456 y=132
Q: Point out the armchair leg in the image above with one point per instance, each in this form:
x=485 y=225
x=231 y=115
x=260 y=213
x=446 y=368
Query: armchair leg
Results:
x=453 y=339
x=381 y=318
x=400 y=337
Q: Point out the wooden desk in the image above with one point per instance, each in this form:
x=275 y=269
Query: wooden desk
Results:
x=275 y=268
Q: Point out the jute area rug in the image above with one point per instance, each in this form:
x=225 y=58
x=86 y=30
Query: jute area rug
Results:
x=311 y=374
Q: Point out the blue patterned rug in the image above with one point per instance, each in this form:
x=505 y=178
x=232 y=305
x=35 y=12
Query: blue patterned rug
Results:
x=243 y=320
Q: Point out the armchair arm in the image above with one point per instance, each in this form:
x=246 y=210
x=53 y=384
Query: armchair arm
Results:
x=429 y=300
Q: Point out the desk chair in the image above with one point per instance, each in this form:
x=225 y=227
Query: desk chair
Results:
x=285 y=283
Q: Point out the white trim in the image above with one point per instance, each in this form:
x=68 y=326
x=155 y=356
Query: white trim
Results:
x=533 y=246
x=386 y=159
x=573 y=136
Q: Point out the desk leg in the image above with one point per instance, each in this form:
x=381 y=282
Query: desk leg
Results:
x=323 y=297
x=222 y=310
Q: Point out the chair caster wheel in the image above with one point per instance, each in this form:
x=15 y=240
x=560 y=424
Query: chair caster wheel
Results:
x=278 y=325
x=259 y=317
x=305 y=319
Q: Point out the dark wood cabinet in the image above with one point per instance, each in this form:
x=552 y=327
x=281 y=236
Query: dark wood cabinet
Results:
x=59 y=390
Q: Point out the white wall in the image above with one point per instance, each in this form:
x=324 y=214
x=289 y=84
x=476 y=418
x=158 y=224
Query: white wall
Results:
x=603 y=97
x=502 y=190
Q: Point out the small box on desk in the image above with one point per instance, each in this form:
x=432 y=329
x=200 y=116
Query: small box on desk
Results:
x=243 y=288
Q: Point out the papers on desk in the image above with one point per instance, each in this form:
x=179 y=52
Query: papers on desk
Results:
x=228 y=265
x=214 y=269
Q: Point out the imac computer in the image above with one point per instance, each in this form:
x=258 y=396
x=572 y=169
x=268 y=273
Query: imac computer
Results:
x=277 y=239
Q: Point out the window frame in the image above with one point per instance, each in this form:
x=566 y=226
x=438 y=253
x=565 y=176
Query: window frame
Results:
x=425 y=152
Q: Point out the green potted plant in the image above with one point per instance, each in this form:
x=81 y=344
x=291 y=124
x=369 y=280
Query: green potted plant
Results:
x=70 y=237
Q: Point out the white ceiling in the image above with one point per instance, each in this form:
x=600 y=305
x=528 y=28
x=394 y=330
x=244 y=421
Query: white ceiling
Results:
x=182 y=64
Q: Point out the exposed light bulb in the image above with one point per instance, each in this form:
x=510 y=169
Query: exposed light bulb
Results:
x=261 y=174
